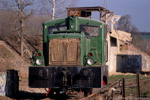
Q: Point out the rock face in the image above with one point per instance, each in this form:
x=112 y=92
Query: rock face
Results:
x=12 y=60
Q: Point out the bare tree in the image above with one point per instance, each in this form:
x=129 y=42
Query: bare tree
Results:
x=56 y=8
x=125 y=24
x=20 y=6
x=22 y=11
x=6 y=22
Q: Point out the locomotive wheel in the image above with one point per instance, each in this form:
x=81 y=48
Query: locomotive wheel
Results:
x=87 y=92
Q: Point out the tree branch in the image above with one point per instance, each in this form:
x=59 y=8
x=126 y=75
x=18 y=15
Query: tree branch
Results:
x=59 y=2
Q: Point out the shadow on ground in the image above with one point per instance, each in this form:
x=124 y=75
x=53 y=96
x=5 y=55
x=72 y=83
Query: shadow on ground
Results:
x=24 y=95
x=28 y=95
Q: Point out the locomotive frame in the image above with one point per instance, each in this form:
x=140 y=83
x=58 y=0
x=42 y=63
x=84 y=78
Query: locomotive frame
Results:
x=74 y=55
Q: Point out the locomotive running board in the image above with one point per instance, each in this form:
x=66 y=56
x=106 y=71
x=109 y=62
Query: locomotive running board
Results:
x=71 y=77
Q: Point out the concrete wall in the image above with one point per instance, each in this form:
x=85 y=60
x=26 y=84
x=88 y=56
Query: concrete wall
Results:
x=131 y=52
x=119 y=43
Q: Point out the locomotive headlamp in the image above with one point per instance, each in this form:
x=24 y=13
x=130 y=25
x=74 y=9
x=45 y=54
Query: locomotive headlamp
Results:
x=38 y=61
x=72 y=26
x=90 y=61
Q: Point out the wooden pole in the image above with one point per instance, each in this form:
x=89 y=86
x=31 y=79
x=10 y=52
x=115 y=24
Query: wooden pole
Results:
x=138 y=85
x=123 y=89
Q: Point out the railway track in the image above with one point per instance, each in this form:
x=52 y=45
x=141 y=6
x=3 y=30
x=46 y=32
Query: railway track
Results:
x=107 y=92
x=111 y=90
x=103 y=93
x=98 y=94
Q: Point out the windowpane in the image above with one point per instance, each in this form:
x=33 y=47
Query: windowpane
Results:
x=90 y=30
x=52 y=29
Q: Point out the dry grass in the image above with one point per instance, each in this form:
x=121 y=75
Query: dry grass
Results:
x=10 y=53
x=11 y=60
x=131 y=86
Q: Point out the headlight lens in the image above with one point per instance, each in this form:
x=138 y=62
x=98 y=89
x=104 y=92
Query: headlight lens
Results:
x=90 y=61
x=72 y=26
x=38 y=61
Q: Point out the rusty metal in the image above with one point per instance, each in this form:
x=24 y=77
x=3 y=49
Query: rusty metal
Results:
x=64 y=52
x=87 y=11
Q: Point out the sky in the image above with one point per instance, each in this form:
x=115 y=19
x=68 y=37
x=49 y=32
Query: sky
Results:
x=139 y=10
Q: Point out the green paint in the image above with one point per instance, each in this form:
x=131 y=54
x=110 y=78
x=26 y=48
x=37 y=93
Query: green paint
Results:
x=35 y=57
x=89 y=44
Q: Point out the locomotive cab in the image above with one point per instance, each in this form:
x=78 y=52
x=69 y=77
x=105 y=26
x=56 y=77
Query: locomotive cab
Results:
x=74 y=55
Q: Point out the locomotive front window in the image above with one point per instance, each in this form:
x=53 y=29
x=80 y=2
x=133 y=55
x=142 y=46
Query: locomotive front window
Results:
x=52 y=29
x=90 y=30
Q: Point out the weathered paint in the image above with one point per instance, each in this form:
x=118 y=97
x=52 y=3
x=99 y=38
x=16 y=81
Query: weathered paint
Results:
x=64 y=51
x=55 y=40
x=93 y=44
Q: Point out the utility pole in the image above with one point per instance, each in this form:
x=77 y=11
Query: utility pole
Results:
x=105 y=3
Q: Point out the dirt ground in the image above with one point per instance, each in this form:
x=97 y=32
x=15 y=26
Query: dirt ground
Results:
x=26 y=93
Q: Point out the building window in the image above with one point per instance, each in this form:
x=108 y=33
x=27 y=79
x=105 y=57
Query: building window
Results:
x=113 y=41
x=90 y=30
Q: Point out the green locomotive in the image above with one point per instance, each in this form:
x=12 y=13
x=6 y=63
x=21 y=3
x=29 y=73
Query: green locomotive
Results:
x=74 y=55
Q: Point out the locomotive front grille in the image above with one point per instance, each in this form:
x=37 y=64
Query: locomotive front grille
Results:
x=64 y=52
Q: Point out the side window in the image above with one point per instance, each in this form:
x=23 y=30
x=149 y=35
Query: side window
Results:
x=105 y=32
x=106 y=50
x=51 y=29
x=90 y=30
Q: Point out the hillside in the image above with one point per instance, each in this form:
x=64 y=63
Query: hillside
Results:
x=10 y=53
x=11 y=60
